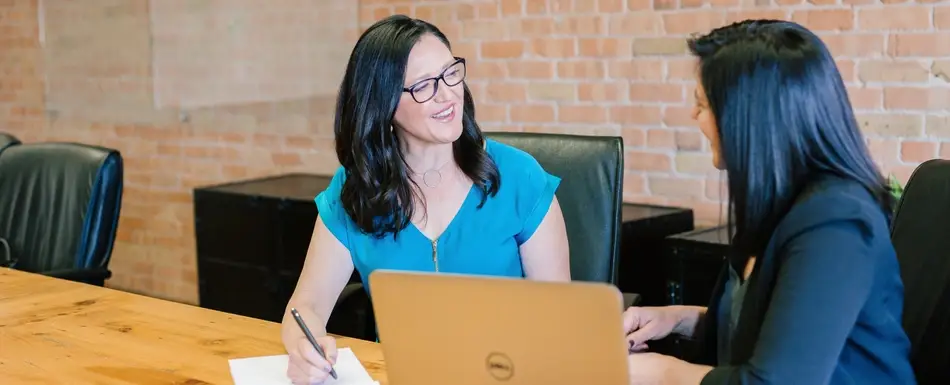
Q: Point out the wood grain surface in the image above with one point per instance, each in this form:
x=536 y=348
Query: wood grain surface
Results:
x=54 y=331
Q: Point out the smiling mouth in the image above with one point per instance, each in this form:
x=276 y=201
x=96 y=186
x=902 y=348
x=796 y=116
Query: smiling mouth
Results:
x=446 y=114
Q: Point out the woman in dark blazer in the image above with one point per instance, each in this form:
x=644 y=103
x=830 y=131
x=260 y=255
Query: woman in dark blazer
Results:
x=812 y=292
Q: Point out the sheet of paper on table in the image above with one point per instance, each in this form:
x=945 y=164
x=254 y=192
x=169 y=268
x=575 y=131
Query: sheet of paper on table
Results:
x=272 y=370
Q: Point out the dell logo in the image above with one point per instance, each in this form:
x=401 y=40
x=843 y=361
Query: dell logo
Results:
x=499 y=366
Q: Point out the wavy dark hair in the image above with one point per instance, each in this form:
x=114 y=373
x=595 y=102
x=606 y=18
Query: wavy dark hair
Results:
x=784 y=121
x=377 y=193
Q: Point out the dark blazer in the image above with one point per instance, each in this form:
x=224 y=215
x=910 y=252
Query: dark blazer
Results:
x=824 y=302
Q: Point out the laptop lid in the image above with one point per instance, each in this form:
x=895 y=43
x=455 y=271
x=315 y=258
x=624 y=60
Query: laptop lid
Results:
x=439 y=329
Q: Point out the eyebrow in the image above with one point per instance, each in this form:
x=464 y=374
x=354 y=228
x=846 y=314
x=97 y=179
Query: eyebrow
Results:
x=429 y=75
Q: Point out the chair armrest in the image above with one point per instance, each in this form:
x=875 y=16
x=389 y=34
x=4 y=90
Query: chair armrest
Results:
x=8 y=260
x=95 y=276
x=353 y=314
x=630 y=299
x=348 y=291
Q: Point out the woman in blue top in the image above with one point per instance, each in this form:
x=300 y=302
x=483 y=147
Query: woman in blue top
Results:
x=812 y=292
x=419 y=187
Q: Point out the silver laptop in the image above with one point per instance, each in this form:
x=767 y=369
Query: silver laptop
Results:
x=447 y=329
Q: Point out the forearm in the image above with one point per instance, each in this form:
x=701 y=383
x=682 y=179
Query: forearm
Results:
x=689 y=317
x=680 y=372
x=289 y=330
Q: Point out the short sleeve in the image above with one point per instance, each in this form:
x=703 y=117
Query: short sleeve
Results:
x=536 y=189
x=330 y=208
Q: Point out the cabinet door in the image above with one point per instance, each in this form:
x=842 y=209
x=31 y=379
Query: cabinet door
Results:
x=692 y=274
x=236 y=250
x=238 y=289
x=294 y=228
x=235 y=228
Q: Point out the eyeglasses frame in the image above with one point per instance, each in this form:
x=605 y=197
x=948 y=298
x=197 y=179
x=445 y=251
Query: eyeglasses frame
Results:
x=441 y=77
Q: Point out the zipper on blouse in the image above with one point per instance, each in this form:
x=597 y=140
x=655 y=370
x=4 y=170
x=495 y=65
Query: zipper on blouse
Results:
x=435 y=254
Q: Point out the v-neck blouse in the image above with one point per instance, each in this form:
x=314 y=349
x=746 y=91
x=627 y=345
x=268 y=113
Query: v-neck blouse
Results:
x=479 y=241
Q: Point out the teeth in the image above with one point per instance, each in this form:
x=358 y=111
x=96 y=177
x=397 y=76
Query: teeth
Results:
x=445 y=113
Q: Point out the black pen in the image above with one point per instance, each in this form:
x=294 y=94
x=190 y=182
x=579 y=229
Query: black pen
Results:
x=313 y=341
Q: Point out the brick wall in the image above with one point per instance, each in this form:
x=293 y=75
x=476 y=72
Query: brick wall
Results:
x=611 y=67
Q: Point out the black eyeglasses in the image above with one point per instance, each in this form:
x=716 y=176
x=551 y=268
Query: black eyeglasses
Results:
x=424 y=90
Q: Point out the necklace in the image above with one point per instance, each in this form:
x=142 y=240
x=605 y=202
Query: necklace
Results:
x=433 y=177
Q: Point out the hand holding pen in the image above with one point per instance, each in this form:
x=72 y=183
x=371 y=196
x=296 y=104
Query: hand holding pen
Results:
x=311 y=361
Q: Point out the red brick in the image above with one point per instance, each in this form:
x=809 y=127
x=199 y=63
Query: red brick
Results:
x=532 y=113
x=502 y=49
x=633 y=114
x=685 y=22
x=667 y=93
x=919 y=44
x=894 y=18
x=602 y=92
x=913 y=98
x=582 y=114
x=554 y=47
x=890 y=71
x=661 y=138
x=825 y=19
x=676 y=187
x=635 y=24
x=917 y=151
x=647 y=161
x=599 y=67
x=581 y=69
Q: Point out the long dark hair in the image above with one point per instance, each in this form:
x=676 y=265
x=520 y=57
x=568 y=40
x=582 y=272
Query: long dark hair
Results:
x=377 y=193
x=784 y=120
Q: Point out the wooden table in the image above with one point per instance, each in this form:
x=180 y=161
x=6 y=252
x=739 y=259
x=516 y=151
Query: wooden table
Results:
x=59 y=332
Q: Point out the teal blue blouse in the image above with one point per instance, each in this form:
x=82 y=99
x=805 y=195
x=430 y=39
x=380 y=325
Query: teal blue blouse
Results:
x=479 y=241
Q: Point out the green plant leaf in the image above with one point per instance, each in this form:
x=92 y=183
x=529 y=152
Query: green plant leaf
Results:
x=895 y=185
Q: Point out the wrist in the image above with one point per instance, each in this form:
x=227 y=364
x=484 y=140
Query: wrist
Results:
x=686 y=319
x=677 y=371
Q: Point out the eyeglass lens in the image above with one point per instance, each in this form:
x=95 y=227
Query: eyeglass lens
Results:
x=426 y=90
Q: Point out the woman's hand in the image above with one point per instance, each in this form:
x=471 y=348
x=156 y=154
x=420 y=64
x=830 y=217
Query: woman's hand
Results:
x=644 y=324
x=305 y=366
x=648 y=368
x=657 y=369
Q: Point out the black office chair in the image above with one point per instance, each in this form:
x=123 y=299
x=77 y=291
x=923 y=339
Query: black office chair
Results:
x=920 y=236
x=590 y=195
x=7 y=140
x=59 y=209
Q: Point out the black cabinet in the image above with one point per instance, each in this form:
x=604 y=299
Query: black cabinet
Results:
x=694 y=261
x=642 y=249
x=252 y=238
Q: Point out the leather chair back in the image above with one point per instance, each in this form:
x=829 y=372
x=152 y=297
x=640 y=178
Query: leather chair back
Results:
x=920 y=236
x=59 y=208
x=7 y=140
x=590 y=195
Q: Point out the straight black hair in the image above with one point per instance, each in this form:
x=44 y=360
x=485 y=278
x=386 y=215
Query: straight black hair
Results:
x=784 y=120
x=378 y=193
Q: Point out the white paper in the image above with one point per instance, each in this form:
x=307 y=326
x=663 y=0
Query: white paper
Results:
x=272 y=370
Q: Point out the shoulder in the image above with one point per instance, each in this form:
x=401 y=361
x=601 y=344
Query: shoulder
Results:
x=516 y=166
x=332 y=211
x=330 y=205
x=518 y=169
x=332 y=192
x=835 y=203
x=525 y=184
